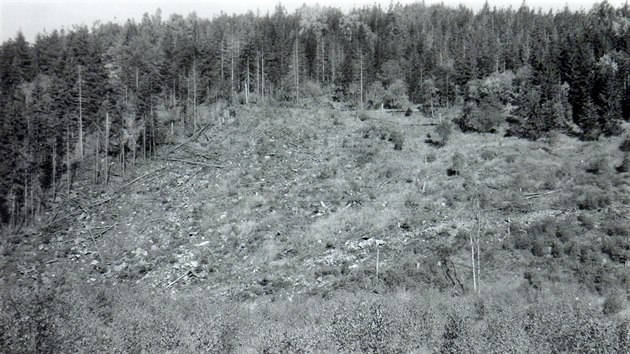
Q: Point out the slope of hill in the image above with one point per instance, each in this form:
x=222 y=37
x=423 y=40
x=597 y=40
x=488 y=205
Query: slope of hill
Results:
x=285 y=230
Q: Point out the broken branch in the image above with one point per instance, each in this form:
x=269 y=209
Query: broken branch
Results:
x=192 y=162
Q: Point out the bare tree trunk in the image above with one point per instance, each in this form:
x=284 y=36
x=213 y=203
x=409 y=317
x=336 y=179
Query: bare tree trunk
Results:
x=80 y=115
x=262 y=87
x=187 y=98
x=144 y=138
x=96 y=159
x=222 y=63
x=106 y=148
x=472 y=250
x=26 y=197
x=32 y=205
x=123 y=148
x=297 y=73
x=13 y=210
x=247 y=84
x=478 y=250
x=232 y=68
x=152 y=132
x=257 y=75
x=361 y=75
x=194 y=111
x=54 y=170
x=323 y=62
x=332 y=63
x=68 y=158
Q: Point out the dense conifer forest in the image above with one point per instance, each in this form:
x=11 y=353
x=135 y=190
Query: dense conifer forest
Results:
x=97 y=90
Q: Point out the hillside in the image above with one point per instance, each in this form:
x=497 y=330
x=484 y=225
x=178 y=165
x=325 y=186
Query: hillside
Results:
x=286 y=229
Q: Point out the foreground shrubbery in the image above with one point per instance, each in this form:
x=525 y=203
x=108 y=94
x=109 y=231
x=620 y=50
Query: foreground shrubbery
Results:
x=119 y=320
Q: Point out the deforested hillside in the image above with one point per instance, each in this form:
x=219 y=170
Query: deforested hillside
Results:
x=416 y=178
x=290 y=229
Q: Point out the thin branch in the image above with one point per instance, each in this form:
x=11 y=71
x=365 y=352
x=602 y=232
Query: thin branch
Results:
x=189 y=139
x=192 y=162
x=118 y=193
x=178 y=279
x=95 y=246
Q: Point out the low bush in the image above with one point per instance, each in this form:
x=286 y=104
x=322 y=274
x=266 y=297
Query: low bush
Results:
x=457 y=165
x=613 y=304
x=397 y=138
x=598 y=165
x=625 y=164
x=488 y=155
x=443 y=132
x=483 y=117
x=592 y=199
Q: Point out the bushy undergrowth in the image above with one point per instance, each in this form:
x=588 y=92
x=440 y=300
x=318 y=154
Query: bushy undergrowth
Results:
x=118 y=320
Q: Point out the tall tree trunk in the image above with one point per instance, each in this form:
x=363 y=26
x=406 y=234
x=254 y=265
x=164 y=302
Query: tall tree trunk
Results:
x=69 y=179
x=323 y=60
x=332 y=63
x=32 y=204
x=54 y=169
x=472 y=259
x=194 y=109
x=122 y=156
x=262 y=86
x=13 y=209
x=361 y=75
x=257 y=75
x=222 y=63
x=152 y=132
x=232 y=68
x=144 y=138
x=297 y=73
x=187 y=98
x=106 y=148
x=25 y=197
x=80 y=114
x=247 y=83
x=478 y=251
x=96 y=156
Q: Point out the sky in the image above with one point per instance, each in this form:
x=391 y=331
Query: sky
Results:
x=36 y=16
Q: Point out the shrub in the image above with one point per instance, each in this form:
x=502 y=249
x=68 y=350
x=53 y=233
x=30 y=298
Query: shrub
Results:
x=443 y=131
x=598 y=165
x=616 y=248
x=488 y=155
x=613 y=304
x=481 y=117
x=538 y=248
x=457 y=165
x=592 y=200
x=625 y=164
x=396 y=95
x=312 y=89
x=397 y=138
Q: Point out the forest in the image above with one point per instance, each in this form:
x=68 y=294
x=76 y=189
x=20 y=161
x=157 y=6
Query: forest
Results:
x=99 y=88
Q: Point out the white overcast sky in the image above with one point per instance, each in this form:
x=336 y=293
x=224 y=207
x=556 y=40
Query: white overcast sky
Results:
x=34 y=16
